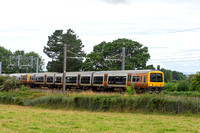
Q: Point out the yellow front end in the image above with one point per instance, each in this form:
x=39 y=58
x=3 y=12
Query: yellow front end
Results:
x=156 y=80
x=27 y=78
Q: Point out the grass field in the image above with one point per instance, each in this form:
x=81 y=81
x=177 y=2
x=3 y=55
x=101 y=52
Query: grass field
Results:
x=29 y=119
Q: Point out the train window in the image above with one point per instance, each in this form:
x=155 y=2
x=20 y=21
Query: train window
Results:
x=85 y=80
x=23 y=77
x=71 y=79
x=144 y=79
x=159 y=77
x=133 y=78
x=156 y=77
x=138 y=79
x=98 y=80
x=119 y=80
x=141 y=79
x=153 y=77
x=49 y=79
x=39 y=79
x=58 y=80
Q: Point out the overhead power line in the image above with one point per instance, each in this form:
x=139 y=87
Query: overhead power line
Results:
x=183 y=57
x=172 y=61
x=185 y=30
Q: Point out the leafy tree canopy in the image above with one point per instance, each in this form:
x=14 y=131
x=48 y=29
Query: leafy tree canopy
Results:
x=4 y=56
x=105 y=55
x=55 y=51
x=27 y=61
x=195 y=85
x=173 y=75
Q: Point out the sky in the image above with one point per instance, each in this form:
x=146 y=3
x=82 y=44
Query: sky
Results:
x=169 y=28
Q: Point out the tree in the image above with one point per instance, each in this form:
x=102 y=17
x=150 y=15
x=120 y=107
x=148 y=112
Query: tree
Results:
x=195 y=85
x=4 y=56
x=173 y=75
x=107 y=56
x=10 y=61
x=32 y=56
x=27 y=62
x=178 y=75
x=167 y=75
x=54 y=50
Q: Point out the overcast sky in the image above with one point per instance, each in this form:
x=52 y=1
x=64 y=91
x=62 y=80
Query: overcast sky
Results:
x=169 y=28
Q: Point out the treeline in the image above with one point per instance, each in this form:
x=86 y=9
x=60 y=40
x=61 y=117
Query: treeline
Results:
x=173 y=76
x=181 y=82
x=19 y=61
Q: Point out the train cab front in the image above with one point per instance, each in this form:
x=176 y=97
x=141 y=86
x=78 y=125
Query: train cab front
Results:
x=155 y=81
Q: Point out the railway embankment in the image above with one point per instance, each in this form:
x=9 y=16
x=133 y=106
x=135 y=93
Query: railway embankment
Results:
x=111 y=102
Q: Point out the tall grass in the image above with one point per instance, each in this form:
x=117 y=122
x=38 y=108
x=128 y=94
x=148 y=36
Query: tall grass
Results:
x=104 y=102
x=182 y=93
x=144 y=103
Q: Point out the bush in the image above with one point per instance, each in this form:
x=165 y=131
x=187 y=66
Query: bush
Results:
x=2 y=79
x=183 y=86
x=170 y=86
x=24 y=88
x=130 y=90
x=11 y=84
x=195 y=85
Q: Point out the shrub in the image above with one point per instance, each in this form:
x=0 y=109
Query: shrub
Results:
x=24 y=88
x=170 y=86
x=10 y=84
x=183 y=86
x=195 y=85
x=130 y=90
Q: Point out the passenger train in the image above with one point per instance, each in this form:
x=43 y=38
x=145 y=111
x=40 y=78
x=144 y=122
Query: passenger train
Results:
x=141 y=80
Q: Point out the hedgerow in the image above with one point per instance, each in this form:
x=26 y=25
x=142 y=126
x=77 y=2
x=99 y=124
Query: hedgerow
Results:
x=144 y=103
x=148 y=103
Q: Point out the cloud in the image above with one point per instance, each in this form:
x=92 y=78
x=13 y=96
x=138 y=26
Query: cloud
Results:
x=116 y=1
x=153 y=23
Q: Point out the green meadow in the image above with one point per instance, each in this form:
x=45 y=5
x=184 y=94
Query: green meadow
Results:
x=15 y=118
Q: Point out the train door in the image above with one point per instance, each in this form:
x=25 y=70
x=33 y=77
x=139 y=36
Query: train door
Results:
x=138 y=80
x=79 y=78
x=141 y=80
x=105 y=79
x=145 y=80
x=129 y=75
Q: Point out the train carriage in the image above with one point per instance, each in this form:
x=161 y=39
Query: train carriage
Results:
x=50 y=80
x=40 y=80
x=141 y=80
x=58 y=80
x=31 y=80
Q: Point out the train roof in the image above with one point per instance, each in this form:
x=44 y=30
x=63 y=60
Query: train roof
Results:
x=125 y=71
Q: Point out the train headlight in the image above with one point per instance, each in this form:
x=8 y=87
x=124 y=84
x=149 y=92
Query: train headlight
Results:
x=151 y=84
x=161 y=85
